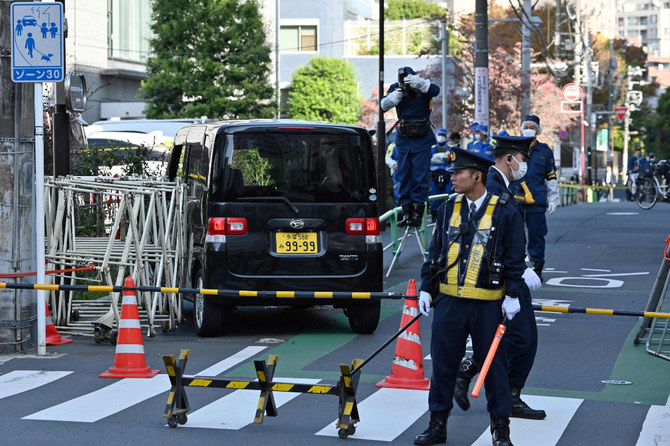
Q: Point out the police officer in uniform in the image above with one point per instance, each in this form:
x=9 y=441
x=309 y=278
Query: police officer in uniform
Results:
x=439 y=163
x=412 y=97
x=476 y=263
x=520 y=339
x=480 y=143
x=542 y=183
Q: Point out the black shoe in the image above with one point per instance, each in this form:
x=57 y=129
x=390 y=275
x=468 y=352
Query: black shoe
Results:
x=521 y=410
x=406 y=215
x=437 y=430
x=417 y=214
x=500 y=431
x=467 y=370
x=538 y=267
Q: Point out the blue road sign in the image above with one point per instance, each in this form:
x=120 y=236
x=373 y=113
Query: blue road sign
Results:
x=37 y=42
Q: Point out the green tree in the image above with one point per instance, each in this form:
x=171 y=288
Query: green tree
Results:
x=325 y=89
x=411 y=9
x=208 y=58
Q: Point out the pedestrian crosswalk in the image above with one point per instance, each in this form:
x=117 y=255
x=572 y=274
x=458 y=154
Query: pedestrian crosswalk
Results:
x=386 y=414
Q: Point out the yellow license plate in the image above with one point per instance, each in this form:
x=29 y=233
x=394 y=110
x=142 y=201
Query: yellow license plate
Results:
x=296 y=243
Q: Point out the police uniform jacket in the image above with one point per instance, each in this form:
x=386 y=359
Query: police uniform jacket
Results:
x=495 y=183
x=418 y=107
x=483 y=148
x=439 y=148
x=497 y=234
x=541 y=168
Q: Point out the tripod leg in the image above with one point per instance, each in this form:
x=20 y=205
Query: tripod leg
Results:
x=401 y=245
x=424 y=254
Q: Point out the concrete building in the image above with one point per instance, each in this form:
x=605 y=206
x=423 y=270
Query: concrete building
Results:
x=645 y=23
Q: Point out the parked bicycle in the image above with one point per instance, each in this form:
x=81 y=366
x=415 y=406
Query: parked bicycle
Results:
x=654 y=184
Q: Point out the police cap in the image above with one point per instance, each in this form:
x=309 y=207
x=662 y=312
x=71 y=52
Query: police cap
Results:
x=442 y=131
x=519 y=143
x=460 y=159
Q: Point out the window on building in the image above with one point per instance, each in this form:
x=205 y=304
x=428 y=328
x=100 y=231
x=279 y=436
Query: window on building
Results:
x=632 y=33
x=643 y=34
x=297 y=38
x=652 y=33
x=128 y=30
x=653 y=19
x=643 y=21
x=632 y=21
x=620 y=22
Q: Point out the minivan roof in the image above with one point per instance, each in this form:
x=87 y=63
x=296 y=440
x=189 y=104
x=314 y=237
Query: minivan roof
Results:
x=169 y=127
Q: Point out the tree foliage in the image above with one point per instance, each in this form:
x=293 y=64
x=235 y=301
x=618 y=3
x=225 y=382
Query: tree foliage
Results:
x=411 y=9
x=325 y=90
x=208 y=58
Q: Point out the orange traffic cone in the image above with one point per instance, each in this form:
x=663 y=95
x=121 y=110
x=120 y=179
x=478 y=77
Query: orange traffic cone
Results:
x=53 y=337
x=129 y=361
x=407 y=368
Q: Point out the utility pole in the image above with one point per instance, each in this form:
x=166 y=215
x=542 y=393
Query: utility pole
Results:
x=589 y=105
x=482 y=62
x=444 y=38
x=278 y=91
x=526 y=44
x=17 y=307
x=61 y=125
x=611 y=67
x=381 y=126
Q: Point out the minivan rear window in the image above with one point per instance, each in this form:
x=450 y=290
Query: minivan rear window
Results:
x=302 y=166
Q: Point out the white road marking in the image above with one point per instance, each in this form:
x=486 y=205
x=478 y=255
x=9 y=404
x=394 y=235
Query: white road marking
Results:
x=19 y=381
x=546 y=432
x=655 y=430
x=596 y=269
x=616 y=274
x=237 y=409
x=124 y=394
x=387 y=414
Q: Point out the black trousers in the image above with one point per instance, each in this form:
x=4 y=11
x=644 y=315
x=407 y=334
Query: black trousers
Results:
x=454 y=319
x=520 y=342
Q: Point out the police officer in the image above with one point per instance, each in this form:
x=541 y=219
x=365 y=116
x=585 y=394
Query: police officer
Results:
x=476 y=263
x=520 y=339
x=412 y=96
x=439 y=163
x=543 y=186
x=480 y=144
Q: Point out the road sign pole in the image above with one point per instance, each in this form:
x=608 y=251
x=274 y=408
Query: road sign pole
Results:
x=39 y=218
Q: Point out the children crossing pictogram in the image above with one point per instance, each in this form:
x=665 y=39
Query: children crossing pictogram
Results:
x=37 y=42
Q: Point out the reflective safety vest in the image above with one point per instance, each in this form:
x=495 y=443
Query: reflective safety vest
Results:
x=462 y=279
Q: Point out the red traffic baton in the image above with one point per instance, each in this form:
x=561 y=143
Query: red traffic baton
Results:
x=489 y=357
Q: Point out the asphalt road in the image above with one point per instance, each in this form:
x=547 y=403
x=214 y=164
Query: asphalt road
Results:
x=601 y=255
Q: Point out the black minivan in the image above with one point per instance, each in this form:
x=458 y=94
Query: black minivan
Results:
x=279 y=205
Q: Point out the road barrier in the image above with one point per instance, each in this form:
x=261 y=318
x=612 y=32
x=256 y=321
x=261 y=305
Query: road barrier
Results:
x=178 y=406
x=658 y=340
x=600 y=311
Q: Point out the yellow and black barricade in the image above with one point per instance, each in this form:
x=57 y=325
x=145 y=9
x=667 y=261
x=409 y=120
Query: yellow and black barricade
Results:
x=177 y=404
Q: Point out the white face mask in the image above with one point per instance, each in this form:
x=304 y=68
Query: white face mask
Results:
x=478 y=136
x=518 y=174
x=441 y=139
x=528 y=132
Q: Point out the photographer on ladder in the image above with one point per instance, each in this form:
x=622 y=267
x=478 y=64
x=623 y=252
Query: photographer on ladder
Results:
x=412 y=96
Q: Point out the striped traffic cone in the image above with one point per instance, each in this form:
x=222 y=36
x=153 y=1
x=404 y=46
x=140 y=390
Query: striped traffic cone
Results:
x=407 y=368
x=129 y=361
x=53 y=337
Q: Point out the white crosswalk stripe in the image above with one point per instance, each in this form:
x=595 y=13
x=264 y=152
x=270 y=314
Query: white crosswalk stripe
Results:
x=237 y=409
x=19 y=381
x=533 y=432
x=125 y=393
x=656 y=430
x=387 y=414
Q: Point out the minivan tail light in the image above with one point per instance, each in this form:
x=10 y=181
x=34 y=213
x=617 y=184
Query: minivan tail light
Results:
x=236 y=226
x=227 y=226
x=362 y=226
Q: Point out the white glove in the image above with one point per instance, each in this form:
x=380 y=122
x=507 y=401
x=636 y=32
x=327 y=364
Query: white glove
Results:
x=391 y=100
x=532 y=279
x=553 y=195
x=510 y=307
x=424 y=303
x=438 y=158
x=415 y=81
x=551 y=207
x=393 y=165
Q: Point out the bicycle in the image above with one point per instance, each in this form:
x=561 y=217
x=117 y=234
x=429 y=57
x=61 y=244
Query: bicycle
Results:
x=653 y=184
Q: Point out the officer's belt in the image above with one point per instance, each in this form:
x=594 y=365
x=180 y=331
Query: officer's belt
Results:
x=471 y=292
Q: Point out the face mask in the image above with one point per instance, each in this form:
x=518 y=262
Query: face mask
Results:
x=523 y=168
x=478 y=136
x=441 y=139
x=528 y=132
